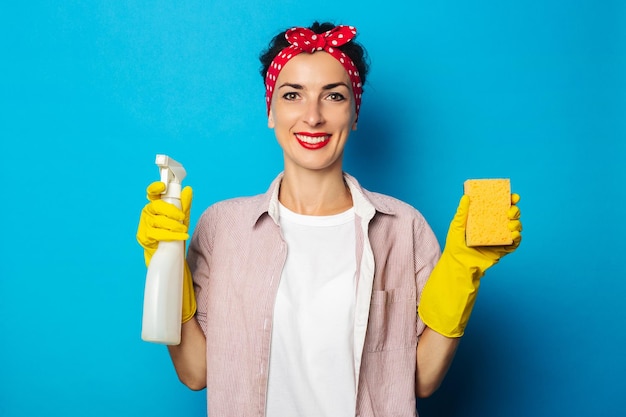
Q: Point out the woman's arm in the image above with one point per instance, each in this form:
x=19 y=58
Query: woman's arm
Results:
x=434 y=356
x=189 y=357
x=448 y=297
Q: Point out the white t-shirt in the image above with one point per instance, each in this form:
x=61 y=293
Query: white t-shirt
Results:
x=311 y=371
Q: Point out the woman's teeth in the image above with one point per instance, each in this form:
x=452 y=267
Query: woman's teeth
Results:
x=312 y=139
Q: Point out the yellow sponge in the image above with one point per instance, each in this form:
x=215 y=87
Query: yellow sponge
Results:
x=487 y=220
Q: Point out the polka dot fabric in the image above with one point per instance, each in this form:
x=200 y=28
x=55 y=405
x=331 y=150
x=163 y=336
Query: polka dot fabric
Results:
x=305 y=40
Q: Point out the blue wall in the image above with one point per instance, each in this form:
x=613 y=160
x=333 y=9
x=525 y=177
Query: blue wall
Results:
x=90 y=91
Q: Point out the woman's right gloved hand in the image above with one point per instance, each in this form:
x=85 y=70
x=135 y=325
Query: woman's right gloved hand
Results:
x=162 y=221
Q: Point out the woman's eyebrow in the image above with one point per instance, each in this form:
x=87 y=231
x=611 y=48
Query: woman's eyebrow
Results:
x=335 y=85
x=292 y=85
x=326 y=87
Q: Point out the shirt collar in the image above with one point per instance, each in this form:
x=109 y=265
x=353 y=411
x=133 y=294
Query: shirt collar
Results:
x=366 y=203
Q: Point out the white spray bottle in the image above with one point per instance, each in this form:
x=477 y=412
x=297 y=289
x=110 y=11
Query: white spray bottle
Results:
x=162 y=304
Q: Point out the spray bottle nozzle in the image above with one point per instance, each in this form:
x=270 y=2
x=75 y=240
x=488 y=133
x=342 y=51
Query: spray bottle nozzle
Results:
x=171 y=171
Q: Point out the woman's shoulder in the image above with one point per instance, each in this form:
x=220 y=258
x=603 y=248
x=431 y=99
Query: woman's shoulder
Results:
x=236 y=206
x=390 y=205
x=385 y=203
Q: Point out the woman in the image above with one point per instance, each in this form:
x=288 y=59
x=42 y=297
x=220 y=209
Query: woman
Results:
x=304 y=299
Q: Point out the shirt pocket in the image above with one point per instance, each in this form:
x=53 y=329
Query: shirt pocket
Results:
x=392 y=320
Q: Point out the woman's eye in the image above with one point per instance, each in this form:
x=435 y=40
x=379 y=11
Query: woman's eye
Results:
x=336 y=97
x=290 y=96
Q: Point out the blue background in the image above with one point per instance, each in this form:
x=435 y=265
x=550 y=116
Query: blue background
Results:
x=90 y=91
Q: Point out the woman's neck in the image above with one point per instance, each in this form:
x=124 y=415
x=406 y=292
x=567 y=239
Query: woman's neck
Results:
x=315 y=193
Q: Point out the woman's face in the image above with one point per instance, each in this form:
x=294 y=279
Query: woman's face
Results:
x=312 y=112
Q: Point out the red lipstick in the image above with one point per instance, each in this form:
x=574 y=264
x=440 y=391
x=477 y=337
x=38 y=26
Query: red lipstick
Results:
x=313 y=141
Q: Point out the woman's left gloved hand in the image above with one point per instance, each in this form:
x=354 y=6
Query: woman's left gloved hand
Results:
x=450 y=292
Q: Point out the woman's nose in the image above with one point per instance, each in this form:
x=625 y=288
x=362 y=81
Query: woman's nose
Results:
x=313 y=115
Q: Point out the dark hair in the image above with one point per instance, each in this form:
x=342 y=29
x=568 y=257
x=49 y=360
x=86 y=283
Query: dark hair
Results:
x=354 y=50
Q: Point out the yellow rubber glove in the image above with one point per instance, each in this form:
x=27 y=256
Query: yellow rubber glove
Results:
x=162 y=221
x=450 y=292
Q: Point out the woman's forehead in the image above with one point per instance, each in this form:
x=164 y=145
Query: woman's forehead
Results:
x=312 y=68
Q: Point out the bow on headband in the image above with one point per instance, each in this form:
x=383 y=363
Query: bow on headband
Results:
x=305 y=40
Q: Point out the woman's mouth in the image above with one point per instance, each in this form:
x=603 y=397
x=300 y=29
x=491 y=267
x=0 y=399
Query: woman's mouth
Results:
x=313 y=140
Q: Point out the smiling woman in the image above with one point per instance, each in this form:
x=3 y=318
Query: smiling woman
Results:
x=307 y=295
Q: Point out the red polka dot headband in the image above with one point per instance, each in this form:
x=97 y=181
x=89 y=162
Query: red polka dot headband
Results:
x=305 y=40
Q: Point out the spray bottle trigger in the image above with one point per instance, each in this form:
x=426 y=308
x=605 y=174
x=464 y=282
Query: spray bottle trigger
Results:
x=172 y=172
x=165 y=177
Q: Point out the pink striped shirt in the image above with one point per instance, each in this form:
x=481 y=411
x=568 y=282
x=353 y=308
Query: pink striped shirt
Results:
x=236 y=256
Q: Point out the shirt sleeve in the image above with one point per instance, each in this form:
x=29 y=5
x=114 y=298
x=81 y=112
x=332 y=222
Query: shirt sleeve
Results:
x=427 y=254
x=199 y=261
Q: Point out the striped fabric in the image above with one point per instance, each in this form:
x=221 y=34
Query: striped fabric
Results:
x=236 y=256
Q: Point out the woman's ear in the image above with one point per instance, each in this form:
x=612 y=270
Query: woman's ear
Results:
x=354 y=125
x=270 y=120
